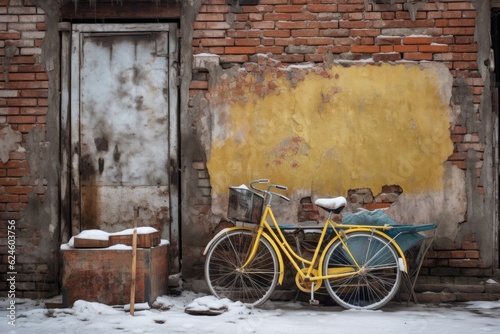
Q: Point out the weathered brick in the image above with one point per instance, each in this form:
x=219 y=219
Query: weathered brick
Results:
x=419 y=40
x=277 y=17
x=247 y=42
x=458 y=31
x=469 y=245
x=305 y=33
x=405 y=48
x=365 y=48
x=472 y=254
x=276 y=33
x=263 y=25
x=365 y=32
x=433 y=48
x=319 y=41
x=320 y=8
x=356 y=24
x=463 y=263
x=351 y=7
x=417 y=56
x=17 y=190
x=291 y=25
x=17 y=172
x=199 y=165
x=325 y=25
x=198 y=85
x=442 y=297
x=388 y=49
x=304 y=17
x=288 y=8
x=209 y=17
x=388 y=40
x=444 y=254
x=233 y=58
x=8 y=198
x=444 y=271
x=464 y=48
x=271 y=49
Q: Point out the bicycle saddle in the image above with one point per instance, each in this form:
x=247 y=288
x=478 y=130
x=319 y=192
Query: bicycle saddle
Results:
x=335 y=204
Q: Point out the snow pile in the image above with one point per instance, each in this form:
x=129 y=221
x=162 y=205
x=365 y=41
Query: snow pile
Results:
x=140 y=230
x=100 y=235
x=209 y=305
x=167 y=315
x=84 y=307
x=94 y=235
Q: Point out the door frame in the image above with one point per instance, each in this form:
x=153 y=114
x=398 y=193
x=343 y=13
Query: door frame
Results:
x=70 y=118
x=494 y=75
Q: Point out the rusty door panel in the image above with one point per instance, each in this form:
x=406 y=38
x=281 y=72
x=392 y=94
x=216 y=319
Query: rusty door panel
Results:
x=110 y=207
x=122 y=130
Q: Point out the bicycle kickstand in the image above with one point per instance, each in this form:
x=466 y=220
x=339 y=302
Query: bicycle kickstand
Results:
x=313 y=301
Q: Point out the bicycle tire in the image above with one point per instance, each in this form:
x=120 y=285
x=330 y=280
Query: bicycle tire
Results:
x=255 y=284
x=379 y=279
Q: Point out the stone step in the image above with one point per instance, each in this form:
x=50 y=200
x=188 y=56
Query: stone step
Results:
x=448 y=297
x=476 y=286
x=459 y=289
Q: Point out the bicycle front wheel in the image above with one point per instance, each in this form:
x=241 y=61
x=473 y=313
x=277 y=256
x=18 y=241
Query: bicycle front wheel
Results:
x=225 y=277
x=369 y=286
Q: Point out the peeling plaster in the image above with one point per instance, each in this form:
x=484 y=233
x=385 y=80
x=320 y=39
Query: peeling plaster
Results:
x=322 y=131
x=9 y=140
x=10 y=51
x=396 y=117
x=413 y=8
x=445 y=208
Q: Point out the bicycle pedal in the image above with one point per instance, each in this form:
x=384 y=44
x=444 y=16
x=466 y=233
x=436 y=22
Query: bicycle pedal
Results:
x=314 y=302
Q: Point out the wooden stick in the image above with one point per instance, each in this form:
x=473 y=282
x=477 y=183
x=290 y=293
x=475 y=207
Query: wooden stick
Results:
x=134 y=261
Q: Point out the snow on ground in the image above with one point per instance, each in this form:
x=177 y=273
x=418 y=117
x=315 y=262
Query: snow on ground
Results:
x=168 y=315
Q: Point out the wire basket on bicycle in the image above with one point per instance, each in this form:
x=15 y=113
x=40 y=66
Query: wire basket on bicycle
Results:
x=245 y=205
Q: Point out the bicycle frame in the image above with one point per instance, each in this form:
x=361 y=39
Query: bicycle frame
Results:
x=281 y=245
x=360 y=266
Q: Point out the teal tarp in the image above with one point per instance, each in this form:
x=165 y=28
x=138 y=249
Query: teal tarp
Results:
x=406 y=240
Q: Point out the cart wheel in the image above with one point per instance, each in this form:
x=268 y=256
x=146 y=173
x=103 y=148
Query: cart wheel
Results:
x=373 y=262
x=253 y=285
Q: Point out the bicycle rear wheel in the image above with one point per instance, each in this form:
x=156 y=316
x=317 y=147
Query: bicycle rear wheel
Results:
x=225 y=279
x=379 y=276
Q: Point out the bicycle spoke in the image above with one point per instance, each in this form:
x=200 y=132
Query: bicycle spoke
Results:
x=378 y=276
x=223 y=269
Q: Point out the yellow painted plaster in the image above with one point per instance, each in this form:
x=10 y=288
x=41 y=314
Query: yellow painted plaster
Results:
x=331 y=130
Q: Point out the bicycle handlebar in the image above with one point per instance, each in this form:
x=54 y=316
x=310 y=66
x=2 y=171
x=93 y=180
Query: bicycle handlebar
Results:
x=279 y=195
x=268 y=191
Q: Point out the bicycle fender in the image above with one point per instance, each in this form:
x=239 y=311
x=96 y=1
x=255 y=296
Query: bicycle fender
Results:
x=402 y=266
x=265 y=235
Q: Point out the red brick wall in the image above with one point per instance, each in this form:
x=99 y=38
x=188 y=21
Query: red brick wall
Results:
x=463 y=261
x=296 y=31
x=290 y=31
x=23 y=106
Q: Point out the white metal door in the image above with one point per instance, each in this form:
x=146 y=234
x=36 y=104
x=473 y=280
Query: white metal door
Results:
x=123 y=127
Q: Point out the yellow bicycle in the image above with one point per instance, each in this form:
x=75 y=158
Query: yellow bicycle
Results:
x=360 y=265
